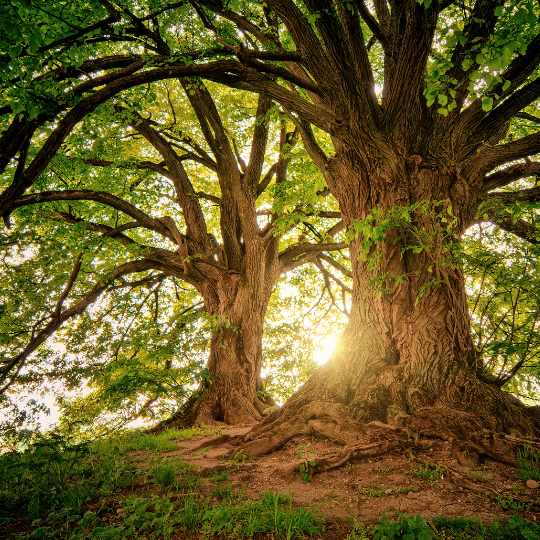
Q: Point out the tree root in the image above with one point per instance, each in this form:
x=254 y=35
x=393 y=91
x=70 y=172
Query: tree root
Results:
x=469 y=434
x=355 y=453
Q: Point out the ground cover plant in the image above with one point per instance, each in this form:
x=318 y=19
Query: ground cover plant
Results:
x=138 y=485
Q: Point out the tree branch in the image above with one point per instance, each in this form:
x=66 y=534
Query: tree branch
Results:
x=56 y=320
x=510 y=174
x=98 y=196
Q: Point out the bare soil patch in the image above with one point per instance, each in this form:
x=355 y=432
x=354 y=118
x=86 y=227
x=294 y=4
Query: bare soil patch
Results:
x=369 y=489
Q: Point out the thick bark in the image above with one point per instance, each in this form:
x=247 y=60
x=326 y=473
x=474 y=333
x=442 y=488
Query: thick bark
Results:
x=231 y=392
x=406 y=363
x=237 y=302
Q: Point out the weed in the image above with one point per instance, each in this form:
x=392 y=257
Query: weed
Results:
x=218 y=476
x=239 y=459
x=373 y=492
x=427 y=473
x=479 y=476
x=509 y=503
x=189 y=483
x=273 y=515
x=412 y=528
x=468 y=529
x=360 y=531
x=529 y=463
x=223 y=493
x=329 y=497
x=386 y=469
x=202 y=451
x=403 y=490
x=165 y=474
x=304 y=452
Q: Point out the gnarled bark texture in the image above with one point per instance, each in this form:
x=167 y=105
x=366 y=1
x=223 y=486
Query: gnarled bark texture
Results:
x=406 y=363
x=231 y=393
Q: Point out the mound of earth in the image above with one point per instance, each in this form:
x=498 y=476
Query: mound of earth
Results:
x=424 y=478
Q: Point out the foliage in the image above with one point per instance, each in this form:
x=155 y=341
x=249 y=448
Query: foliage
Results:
x=409 y=528
x=427 y=472
x=469 y=529
x=406 y=226
x=305 y=452
x=373 y=492
x=54 y=473
x=504 y=301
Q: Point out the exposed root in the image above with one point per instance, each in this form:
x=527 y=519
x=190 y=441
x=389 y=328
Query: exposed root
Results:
x=356 y=453
x=210 y=407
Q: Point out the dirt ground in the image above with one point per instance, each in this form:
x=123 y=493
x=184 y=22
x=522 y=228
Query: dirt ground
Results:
x=364 y=490
x=367 y=490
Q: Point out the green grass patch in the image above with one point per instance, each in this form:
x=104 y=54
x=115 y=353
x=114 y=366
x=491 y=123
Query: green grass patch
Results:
x=429 y=473
x=529 y=463
x=154 y=518
x=468 y=529
x=373 y=492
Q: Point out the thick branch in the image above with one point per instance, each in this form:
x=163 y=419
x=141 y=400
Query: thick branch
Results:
x=193 y=215
x=510 y=174
x=97 y=196
x=531 y=195
x=492 y=157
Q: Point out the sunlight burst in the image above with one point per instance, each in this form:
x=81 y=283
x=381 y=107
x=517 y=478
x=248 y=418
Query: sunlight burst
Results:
x=325 y=350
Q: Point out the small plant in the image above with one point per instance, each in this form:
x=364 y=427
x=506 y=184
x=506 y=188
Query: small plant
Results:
x=427 y=473
x=202 y=451
x=479 y=476
x=409 y=528
x=304 y=452
x=386 y=469
x=220 y=476
x=373 y=492
x=529 y=463
x=223 y=493
x=468 y=529
x=239 y=459
x=403 y=490
x=360 y=531
x=165 y=474
x=510 y=503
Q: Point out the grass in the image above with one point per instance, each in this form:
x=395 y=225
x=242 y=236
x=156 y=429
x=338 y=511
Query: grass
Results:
x=470 y=529
x=82 y=492
x=431 y=474
x=385 y=470
x=529 y=463
x=373 y=492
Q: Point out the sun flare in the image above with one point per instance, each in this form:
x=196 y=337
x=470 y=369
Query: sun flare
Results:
x=326 y=347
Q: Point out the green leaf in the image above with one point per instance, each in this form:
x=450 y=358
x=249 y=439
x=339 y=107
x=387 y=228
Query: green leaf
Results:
x=487 y=104
x=443 y=99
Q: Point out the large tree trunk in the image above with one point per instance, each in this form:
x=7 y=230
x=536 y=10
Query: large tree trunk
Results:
x=231 y=392
x=406 y=363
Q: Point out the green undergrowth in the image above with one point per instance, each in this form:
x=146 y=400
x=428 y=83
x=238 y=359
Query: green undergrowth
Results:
x=160 y=517
x=417 y=528
x=54 y=473
x=126 y=488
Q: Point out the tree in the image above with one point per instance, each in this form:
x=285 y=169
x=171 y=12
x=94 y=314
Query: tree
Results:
x=233 y=265
x=429 y=106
